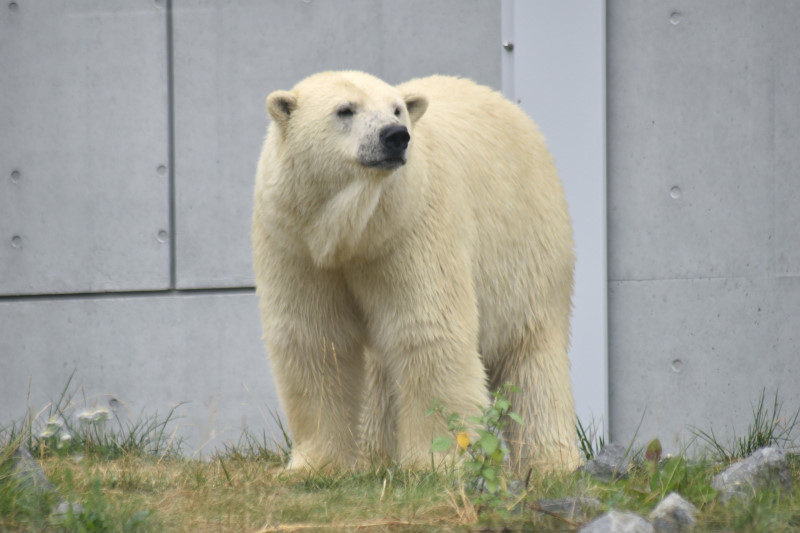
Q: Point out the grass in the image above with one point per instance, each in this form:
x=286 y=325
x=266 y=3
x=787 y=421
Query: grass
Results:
x=133 y=478
x=768 y=428
x=590 y=439
x=17 y=501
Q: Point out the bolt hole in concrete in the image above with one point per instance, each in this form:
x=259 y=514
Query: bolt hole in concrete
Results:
x=162 y=170
x=15 y=176
x=163 y=235
x=16 y=242
x=677 y=365
x=675 y=192
x=12 y=6
x=675 y=18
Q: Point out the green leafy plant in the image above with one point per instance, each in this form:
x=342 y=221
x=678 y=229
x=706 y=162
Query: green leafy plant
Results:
x=93 y=516
x=485 y=455
x=665 y=477
x=98 y=513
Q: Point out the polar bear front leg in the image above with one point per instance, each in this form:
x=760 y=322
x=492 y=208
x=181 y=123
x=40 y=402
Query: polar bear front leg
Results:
x=538 y=367
x=378 y=420
x=427 y=375
x=423 y=325
x=314 y=340
x=320 y=389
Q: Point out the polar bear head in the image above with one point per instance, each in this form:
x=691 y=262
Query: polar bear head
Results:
x=346 y=122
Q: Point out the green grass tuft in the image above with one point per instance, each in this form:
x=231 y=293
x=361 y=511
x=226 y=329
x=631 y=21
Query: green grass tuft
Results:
x=590 y=439
x=768 y=428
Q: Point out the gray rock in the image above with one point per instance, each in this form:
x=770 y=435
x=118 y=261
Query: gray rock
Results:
x=31 y=477
x=764 y=469
x=28 y=472
x=673 y=515
x=616 y=522
x=568 y=507
x=610 y=464
x=516 y=488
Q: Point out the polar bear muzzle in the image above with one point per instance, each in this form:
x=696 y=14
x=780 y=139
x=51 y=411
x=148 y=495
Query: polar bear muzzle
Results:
x=390 y=151
x=395 y=138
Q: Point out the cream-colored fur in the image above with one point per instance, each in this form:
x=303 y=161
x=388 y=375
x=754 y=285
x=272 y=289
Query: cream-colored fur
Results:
x=385 y=287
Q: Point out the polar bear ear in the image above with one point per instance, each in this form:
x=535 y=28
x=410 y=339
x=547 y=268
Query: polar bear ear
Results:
x=280 y=105
x=416 y=105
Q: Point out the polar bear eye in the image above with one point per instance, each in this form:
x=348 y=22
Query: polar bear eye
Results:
x=345 y=111
x=397 y=111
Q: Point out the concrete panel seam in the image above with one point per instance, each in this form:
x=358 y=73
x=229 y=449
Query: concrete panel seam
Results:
x=704 y=278
x=126 y=294
x=171 y=148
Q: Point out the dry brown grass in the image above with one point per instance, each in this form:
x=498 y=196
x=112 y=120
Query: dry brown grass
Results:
x=226 y=494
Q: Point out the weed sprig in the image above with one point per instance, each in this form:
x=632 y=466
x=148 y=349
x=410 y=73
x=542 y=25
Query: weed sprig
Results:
x=484 y=467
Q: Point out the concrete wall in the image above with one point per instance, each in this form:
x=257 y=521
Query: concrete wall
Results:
x=128 y=142
x=703 y=217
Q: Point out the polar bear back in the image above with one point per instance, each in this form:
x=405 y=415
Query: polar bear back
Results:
x=524 y=255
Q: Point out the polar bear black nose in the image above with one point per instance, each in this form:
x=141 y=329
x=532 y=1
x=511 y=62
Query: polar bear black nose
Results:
x=395 y=137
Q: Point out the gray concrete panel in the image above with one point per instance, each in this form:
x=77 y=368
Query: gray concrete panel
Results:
x=785 y=42
x=704 y=246
x=698 y=353
x=229 y=55
x=83 y=147
x=691 y=121
x=149 y=353
x=455 y=37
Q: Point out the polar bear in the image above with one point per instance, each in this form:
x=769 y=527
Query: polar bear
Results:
x=411 y=245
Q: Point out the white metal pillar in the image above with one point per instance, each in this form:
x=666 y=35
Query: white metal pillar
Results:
x=554 y=67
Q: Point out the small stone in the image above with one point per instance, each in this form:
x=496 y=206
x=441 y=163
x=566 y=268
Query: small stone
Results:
x=673 y=515
x=766 y=468
x=616 y=522
x=610 y=464
x=568 y=507
x=63 y=508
